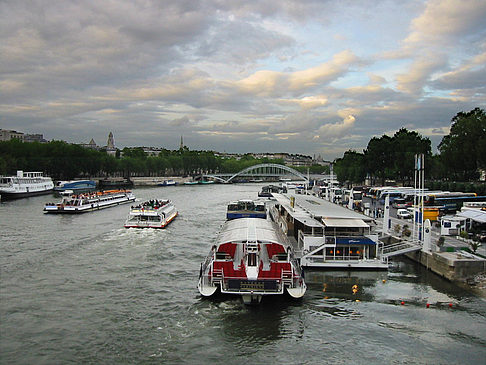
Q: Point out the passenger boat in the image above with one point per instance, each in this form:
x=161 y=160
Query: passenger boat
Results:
x=76 y=185
x=25 y=184
x=246 y=208
x=151 y=214
x=326 y=235
x=87 y=202
x=251 y=260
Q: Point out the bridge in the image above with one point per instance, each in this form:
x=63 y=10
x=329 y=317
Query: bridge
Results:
x=266 y=171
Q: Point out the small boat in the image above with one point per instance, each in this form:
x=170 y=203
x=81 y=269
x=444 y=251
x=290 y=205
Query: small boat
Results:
x=87 y=202
x=268 y=190
x=246 y=208
x=191 y=183
x=76 y=185
x=25 y=184
x=167 y=183
x=151 y=214
x=251 y=260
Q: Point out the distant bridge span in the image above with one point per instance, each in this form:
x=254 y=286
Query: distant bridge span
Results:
x=266 y=170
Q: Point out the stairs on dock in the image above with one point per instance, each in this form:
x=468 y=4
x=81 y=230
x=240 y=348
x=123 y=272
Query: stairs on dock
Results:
x=400 y=248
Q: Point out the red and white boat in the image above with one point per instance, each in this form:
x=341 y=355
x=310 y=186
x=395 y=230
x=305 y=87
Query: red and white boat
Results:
x=151 y=214
x=251 y=260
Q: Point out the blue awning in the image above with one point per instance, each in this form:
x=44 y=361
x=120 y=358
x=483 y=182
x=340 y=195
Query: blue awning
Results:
x=355 y=241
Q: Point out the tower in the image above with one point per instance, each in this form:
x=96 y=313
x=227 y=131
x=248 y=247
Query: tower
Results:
x=182 y=144
x=110 y=145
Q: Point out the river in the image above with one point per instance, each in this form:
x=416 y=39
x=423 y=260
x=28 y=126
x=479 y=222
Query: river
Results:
x=82 y=289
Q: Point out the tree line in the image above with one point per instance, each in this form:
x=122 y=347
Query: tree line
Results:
x=64 y=161
x=461 y=154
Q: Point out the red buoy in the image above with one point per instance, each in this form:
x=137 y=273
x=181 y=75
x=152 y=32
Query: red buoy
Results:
x=450 y=305
x=428 y=305
x=402 y=303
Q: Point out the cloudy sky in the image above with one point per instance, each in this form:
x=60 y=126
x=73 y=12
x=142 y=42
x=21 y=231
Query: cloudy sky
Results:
x=298 y=76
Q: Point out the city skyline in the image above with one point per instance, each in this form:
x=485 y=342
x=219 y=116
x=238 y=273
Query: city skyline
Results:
x=308 y=77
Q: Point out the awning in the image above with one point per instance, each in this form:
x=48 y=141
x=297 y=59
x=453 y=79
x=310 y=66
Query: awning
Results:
x=344 y=222
x=355 y=241
x=476 y=215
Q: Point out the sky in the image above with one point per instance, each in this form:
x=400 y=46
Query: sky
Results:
x=315 y=77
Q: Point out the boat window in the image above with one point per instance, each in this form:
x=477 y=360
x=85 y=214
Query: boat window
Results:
x=252 y=259
x=233 y=207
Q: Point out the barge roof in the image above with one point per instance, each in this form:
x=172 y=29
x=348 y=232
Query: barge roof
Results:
x=309 y=208
x=248 y=230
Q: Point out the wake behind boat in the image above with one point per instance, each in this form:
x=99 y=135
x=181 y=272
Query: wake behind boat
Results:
x=250 y=259
x=87 y=202
x=151 y=214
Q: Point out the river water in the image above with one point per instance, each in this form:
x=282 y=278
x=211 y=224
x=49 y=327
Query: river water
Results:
x=82 y=289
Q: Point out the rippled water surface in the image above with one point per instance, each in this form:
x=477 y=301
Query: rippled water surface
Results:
x=82 y=289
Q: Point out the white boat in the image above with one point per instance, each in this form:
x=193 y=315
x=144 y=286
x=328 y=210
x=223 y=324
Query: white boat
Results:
x=326 y=235
x=25 y=184
x=87 y=202
x=251 y=260
x=151 y=214
x=167 y=183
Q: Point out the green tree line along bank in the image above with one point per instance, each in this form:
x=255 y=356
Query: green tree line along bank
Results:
x=461 y=155
x=65 y=161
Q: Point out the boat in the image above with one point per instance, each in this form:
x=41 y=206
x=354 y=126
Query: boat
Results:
x=151 y=214
x=191 y=183
x=250 y=259
x=167 y=183
x=25 y=184
x=246 y=208
x=326 y=235
x=116 y=183
x=76 y=185
x=87 y=202
x=268 y=190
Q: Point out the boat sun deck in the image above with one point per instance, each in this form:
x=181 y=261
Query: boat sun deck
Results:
x=249 y=259
x=326 y=235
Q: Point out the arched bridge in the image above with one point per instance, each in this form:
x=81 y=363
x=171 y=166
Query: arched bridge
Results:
x=264 y=171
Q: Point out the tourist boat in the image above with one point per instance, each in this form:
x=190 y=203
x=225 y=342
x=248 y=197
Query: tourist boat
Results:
x=250 y=259
x=87 y=202
x=151 y=214
x=326 y=235
x=25 y=184
x=246 y=208
x=76 y=185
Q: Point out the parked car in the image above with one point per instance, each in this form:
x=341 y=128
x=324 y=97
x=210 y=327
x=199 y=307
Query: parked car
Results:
x=403 y=214
x=399 y=203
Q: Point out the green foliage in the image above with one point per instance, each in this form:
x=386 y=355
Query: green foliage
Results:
x=351 y=167
x=463 y=150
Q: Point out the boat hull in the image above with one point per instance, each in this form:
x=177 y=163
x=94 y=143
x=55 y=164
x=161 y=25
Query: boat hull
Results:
x=12 y=196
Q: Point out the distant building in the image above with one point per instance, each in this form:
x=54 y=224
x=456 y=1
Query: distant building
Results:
x=34 y=138
x=8 y=134
x=92 y=145
x=110 y=145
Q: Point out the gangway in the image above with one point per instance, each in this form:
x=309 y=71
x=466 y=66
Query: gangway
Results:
x=400 y=248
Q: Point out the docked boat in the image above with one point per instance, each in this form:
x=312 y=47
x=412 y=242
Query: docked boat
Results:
x=268 y=190
x=76 y=185
x=87 y=202
x=151 y=214
x=250 y=259
x=25 y=184
x=167 y=183
x=326 y=235
x=246 y=208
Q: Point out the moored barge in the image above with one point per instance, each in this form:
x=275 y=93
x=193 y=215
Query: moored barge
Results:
x=326 y=235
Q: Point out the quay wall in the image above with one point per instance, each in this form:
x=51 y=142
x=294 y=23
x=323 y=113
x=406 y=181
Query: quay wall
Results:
x=451 y=265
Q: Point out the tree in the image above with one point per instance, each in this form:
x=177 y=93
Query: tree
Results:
x=351 y=167
x=378 y=158
x=463 y=150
